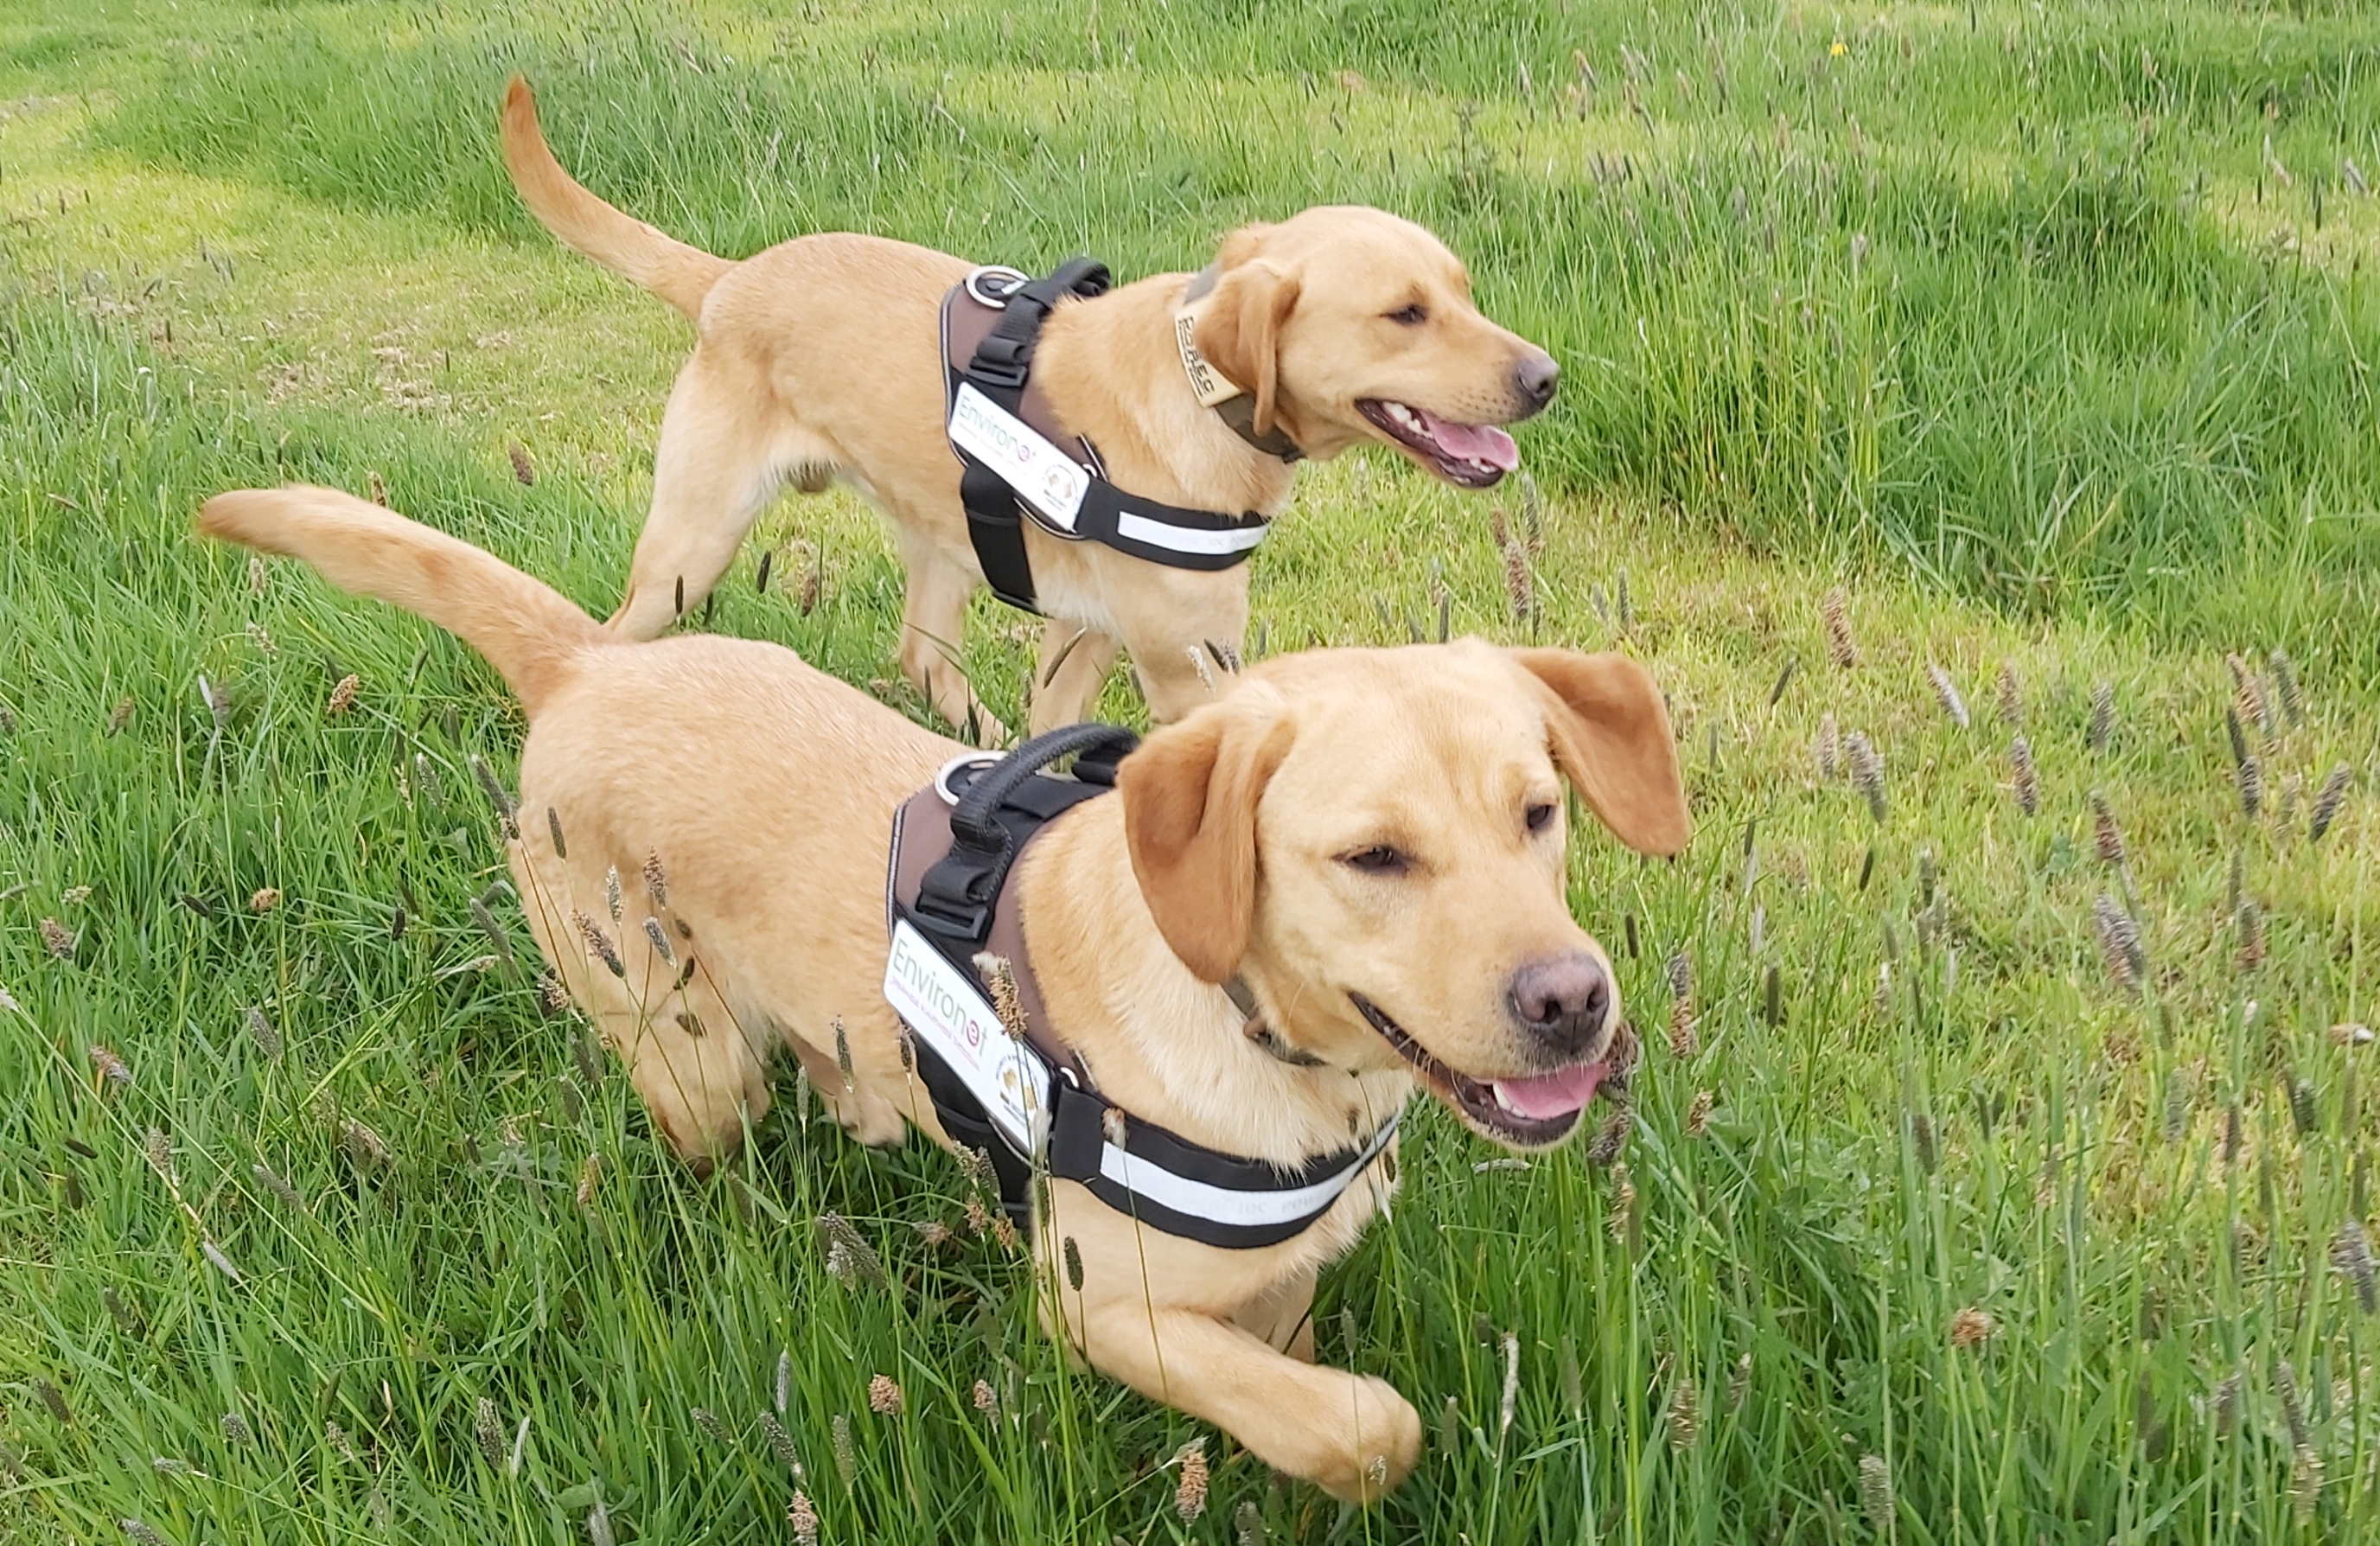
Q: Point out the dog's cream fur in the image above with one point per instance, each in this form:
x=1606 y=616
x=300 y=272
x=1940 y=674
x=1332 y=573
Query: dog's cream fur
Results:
x=764 y=791
x=819 y=358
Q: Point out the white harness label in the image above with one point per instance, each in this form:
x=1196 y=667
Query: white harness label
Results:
x=1041 y=473
x=943 y=1007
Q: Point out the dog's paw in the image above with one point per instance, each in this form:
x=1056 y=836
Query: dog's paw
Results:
x=870 y=1118
x=1373 y=1445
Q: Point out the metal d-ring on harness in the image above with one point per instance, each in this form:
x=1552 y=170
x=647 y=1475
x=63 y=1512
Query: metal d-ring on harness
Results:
x=1016 y=1093
x=1020 y=463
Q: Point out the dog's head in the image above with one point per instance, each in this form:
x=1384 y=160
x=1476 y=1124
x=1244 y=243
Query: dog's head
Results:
x=1347 y=324
x=1375 y=840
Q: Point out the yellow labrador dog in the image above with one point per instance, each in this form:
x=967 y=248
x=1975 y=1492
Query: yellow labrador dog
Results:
x=819 y=358
x=1372 y=841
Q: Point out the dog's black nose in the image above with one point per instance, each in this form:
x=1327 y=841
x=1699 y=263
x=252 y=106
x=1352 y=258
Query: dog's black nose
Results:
x=1537 y=377
x=1563 y=1002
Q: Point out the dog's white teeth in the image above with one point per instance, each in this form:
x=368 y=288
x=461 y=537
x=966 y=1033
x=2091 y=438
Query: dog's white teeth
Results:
x=1404 y=415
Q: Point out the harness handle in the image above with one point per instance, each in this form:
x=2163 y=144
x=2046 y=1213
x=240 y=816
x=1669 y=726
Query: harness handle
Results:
x=974 y=823
x=956 y=898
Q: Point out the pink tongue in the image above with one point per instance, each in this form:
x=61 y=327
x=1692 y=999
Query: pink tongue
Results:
x=1550 y=1094
x=1473 y=443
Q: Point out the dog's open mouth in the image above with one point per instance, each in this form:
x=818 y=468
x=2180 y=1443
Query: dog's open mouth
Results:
x=1524 y=1112
x=1470 y=455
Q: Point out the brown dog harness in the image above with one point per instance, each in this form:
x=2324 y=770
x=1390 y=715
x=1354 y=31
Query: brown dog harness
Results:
x=1021 y=462
x=1002 y=1083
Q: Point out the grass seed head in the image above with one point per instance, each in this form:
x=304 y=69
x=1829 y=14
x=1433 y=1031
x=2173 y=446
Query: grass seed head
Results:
x=656 y=881
x=781 y=1442
x=1190 y=1489
x=2285 y=1386
x=987 y=1400
x=2326 y=803
x=2102 y=716
x=598 y=943
x=1698 y=1114
x=2107 y=838
x=2226 y=1406
x=1840 y=647
x=2250 y=920
x=2284 y=677
x=2024 y=779
x=491 y=1432
x=2303 y=1112
x=1000 y=982
x=2351 y=1256
x=1972 y=1327
x=2251 y=776
x=2009 y=696
x=801 y=1514
x=2119 y=943
x=1947 y=693
x=1685 y=1417
x=1876 y=1493
x=342 y=696
x=846 y=1459
x=1828 y=750
x=523 y=473
x=884 y=1396
x=2248 y=695
x=1867 y=771
x=111 y=1067
x=58 y=940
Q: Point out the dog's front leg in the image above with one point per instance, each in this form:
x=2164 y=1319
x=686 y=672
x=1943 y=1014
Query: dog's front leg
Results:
x=1350 y=1434
x=1074 y=663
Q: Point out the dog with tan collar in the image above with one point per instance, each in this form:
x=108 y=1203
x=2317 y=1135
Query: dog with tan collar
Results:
x=817 y=360
x=1364 y=850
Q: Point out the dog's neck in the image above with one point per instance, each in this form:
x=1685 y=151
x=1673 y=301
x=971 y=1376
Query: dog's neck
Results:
x=1110 y=370
x=1160 y=1043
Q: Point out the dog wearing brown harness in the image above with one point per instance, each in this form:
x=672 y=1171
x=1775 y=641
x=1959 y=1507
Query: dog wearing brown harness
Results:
x=817 y=360
x=1372 y=843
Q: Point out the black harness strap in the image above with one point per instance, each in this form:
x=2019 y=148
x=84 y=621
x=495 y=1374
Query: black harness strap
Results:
x=999 y=367
x=1002 y=364
x=992 y=809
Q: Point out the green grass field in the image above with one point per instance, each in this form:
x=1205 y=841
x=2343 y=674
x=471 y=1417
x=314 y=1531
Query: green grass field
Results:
x=2001 y=1176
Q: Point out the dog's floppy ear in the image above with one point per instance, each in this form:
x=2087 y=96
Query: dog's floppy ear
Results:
x=1610 y=733
x=1239 y=329
x=1190 y=795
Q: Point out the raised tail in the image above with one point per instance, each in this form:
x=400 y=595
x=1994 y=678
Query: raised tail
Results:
x=677 y=272
x=526 y=630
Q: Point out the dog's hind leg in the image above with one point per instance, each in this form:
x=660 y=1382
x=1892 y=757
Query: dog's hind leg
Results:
x=702 y=1074
x=933 y=637
x=724 y=453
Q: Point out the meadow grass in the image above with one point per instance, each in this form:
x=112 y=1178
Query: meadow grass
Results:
x=1997 y=1176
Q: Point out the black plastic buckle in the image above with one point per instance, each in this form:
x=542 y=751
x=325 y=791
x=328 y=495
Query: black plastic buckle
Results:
x=1001 y=363
x=960 y=918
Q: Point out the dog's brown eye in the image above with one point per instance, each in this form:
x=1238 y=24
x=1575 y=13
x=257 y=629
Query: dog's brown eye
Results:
x=1540 y=816
x=1410 y=316
x=1378 y=859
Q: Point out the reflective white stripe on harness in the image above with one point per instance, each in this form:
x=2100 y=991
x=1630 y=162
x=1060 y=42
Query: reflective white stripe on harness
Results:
x=1183 y=538
x=1227 y=1206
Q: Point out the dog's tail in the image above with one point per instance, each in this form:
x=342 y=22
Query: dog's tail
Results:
x=527 y=630
x=677 y=272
